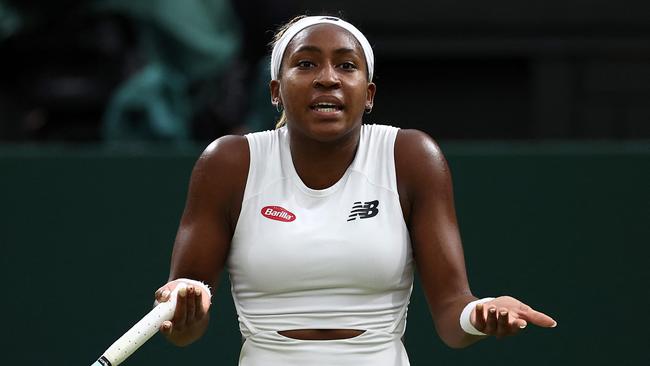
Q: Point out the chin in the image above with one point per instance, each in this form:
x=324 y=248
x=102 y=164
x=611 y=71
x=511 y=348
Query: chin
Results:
x=328 y=131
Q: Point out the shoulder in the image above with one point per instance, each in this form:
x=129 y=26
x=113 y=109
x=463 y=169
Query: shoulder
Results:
x=419 y=163
x=225 y=159
x=417 y=147
x=230 y=150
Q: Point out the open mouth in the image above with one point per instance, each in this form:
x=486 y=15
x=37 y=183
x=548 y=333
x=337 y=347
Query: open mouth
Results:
x=326 y=107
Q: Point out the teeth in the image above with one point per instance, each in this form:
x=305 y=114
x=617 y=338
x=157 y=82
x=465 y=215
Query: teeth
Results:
x=325 y=107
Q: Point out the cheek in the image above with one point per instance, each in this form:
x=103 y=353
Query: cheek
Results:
x=293 y=90
x=359 y=84
x=293 y=100
x=360 y=93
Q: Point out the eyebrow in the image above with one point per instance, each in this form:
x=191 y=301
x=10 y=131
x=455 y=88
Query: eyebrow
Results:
x=308 y=48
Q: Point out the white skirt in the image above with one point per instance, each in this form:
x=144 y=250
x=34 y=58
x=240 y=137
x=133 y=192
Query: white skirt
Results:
x=376 y=348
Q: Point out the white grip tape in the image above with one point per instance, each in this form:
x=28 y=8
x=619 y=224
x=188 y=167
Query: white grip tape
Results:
x=147 y=326
x=465 y=322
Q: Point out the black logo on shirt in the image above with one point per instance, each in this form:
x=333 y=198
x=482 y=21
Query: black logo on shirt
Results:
x=364 y=210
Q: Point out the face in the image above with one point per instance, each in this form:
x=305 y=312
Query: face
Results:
x=323 y=83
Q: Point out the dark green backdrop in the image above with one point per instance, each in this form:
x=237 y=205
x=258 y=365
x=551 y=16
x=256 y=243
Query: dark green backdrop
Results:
x=86 y=235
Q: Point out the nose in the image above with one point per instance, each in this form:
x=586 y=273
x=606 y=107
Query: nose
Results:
x=327 y=78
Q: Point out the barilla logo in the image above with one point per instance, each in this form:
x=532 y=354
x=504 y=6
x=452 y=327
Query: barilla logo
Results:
x=278 y=213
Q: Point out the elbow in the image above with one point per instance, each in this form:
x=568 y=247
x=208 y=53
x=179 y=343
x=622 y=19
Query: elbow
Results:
x=456 y=343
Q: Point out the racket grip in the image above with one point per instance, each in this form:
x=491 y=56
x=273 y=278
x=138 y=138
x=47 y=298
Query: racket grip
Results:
x=144 y=329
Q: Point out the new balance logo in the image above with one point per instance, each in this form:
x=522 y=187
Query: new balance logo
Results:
x=364 y=210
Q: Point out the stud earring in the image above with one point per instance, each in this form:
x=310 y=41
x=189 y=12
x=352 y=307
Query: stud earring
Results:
x=368 y=109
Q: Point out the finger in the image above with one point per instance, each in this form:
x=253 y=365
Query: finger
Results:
x=503 y=326
x=180 y=315
x=191 y=304
x=519 y=323
x=200 y=311
x=166 y=327
x=479 y=317
x=512 y=330
x=535 y=317
x=491 y=322
x=162 y=295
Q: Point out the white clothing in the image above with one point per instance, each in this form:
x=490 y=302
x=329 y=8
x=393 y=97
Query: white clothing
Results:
x=336 y=258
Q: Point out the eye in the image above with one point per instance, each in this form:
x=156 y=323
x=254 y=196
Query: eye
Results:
x=305 y=64
x=348 y=66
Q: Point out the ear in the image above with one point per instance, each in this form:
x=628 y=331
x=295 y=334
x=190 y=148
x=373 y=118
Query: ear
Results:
x=370 y=95
x=274 y=88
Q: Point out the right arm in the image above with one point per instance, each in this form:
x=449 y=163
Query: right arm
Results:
x=203 y=240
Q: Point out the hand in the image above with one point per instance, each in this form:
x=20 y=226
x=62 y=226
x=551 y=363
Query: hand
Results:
x=192 y=305
x=506 y=316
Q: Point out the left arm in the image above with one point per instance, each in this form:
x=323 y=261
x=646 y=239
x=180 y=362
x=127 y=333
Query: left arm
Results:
x=426 y=195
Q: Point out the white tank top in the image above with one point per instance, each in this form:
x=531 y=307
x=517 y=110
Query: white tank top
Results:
x=336 y=258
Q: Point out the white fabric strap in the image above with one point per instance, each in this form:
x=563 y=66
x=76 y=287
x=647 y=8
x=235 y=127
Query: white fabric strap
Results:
x=196 y=283
x=465 y=323
x=281 y=45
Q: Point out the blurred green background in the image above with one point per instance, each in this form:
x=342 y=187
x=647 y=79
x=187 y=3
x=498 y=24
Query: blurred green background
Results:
x=86 y=235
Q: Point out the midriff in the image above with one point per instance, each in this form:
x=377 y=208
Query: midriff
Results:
x=321 y=334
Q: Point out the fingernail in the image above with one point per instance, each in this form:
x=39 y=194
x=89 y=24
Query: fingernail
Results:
x=522 y=326
x=182 y=291
x=197 y=292
x=165 y=295
x=554 y=325
x=493 y=310
x=503 y=313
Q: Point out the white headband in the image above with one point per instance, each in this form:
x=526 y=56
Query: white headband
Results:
x=281 y=45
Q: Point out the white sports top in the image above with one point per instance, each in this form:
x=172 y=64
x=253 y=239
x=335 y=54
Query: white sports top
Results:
x=336 y=258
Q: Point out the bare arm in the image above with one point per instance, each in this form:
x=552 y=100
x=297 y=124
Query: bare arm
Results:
x=427 y=199
x=203 y=239
x=426 y=190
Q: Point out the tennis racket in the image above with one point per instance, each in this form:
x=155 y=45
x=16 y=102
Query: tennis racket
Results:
x=143 y=330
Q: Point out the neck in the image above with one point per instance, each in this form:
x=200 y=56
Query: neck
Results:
x=321 y=164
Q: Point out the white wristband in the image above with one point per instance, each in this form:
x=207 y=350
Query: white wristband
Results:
x=467 y=311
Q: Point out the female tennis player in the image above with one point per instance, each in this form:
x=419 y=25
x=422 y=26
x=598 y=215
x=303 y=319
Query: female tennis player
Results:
x=321 y=222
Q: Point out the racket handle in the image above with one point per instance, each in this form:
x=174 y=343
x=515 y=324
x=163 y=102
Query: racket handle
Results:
x=140 y=332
